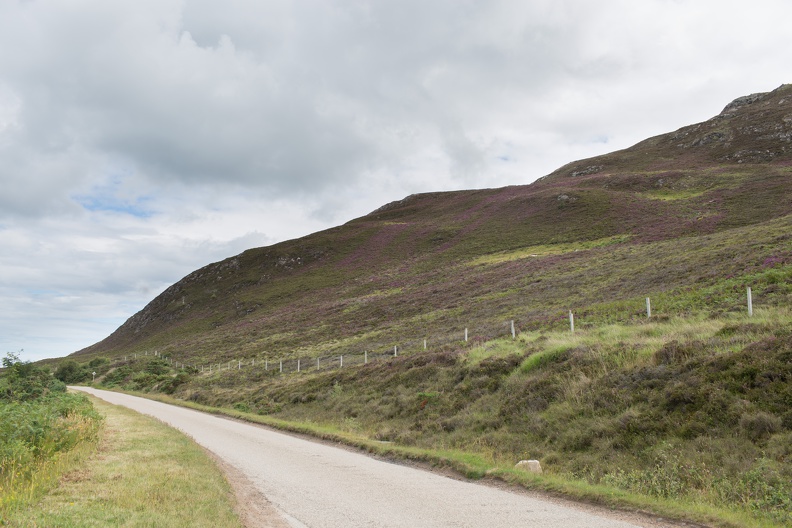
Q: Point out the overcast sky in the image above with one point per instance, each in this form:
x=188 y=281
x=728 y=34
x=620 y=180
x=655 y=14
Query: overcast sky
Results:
x=143 y=139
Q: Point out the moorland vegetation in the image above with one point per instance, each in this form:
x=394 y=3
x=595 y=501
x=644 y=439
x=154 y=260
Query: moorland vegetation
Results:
x=43 y=431
x=688 y=412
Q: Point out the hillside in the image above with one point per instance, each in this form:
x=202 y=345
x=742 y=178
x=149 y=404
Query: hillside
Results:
x=687 y=413
x=693 y=207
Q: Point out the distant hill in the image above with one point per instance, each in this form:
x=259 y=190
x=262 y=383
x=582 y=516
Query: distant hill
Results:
x=696 y=208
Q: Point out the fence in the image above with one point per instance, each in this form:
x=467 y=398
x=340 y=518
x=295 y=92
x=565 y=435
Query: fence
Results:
x=357 y=358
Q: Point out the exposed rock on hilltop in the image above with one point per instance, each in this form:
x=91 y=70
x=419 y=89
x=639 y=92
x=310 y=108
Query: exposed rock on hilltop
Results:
x=751 y=129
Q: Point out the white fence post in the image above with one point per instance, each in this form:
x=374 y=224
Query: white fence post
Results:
x=365 y=357
x=239 y=367
x=298 y=365
x=750 y=303
x=465 y=334
x=571 y=322
x=648 y=308
x=341 y=362
x=395 y=351
x=281 y=365
x=424 y=344
x=514 y=334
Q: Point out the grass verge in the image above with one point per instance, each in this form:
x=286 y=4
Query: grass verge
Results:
x=478 y=466
x=144 y=473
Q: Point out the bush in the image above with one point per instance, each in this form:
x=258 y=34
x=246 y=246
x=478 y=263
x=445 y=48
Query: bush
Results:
x=117 y=376
x=70 y=372
x=760 y=425
x=24 y=381
x=38 y=422
x=157 y=367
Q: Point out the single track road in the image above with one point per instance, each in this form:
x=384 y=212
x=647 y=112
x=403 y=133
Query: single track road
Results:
x=312 y=484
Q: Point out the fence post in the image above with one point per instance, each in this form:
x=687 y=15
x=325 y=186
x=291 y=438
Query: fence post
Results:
x=571 y=322
x=750 y=303
x=465 y=334
x=266 y=364
x=239 y=367
x=253 y=362
x=341 y=362
x=424 y=344
x=648 y=308
x=395 y=351
x=281 y=365
x=514 y=334
x=317 y=363
x=365 y=357
x=298 y=365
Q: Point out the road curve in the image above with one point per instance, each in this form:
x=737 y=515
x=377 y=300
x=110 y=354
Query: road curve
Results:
x=316 y=485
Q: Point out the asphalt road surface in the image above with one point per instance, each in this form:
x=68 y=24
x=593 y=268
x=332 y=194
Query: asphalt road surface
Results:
x=314 y=485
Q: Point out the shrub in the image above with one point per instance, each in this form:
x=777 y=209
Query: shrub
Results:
x=24 y=381
x=760 y=425
x=70 y=371
x=39 y=421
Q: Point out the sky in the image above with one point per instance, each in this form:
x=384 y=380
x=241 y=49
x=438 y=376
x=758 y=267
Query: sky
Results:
x=143 y=139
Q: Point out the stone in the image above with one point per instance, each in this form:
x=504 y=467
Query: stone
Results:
x=529 y=465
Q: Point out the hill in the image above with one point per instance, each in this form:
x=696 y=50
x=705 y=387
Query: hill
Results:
x=693 y=207
x=687 y=410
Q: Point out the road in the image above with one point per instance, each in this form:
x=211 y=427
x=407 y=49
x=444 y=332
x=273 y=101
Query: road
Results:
x=314 y=485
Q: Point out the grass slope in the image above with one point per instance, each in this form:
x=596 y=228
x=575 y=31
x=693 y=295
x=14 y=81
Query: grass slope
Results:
x=144 y=474
x=691 y=406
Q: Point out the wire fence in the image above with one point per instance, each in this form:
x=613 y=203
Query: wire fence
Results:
x=362 y=354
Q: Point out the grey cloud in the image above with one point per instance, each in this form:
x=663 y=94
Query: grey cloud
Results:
x=249 y=98
x=142 y=139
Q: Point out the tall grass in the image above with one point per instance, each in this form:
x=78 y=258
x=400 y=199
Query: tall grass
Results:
x=39 y=439
x=143 y=474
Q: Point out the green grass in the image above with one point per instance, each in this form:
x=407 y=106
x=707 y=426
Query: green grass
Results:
x=660 y=491
x=39 y=440
x=683 y=414
x=547 y=250
x=605 y=406
x=143 y=474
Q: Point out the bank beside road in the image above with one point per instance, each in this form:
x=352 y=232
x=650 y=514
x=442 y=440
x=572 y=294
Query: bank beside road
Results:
x=313 y=484
x=143 y=473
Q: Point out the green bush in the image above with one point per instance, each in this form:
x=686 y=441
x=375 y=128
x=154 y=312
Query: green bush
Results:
x=39 y=421
x=70 y=371
x=24 y=381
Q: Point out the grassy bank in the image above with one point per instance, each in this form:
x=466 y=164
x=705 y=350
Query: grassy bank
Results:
x=39 y=441
x=43 y=432
x=687 y=417
x=143 y=474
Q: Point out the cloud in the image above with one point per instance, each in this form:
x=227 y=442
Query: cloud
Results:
x=142 y=139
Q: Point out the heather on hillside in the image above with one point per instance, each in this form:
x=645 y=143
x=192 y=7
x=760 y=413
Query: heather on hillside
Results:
x=687 y=409
x=690 y=404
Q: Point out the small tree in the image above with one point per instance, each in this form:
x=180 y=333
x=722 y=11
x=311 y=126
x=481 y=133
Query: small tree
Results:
x=70 y=371
x=23 y=381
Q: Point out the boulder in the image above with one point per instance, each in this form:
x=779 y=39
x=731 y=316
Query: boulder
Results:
x=529 y=465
